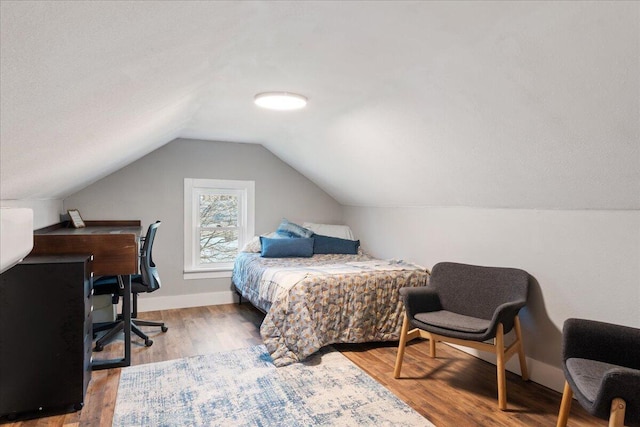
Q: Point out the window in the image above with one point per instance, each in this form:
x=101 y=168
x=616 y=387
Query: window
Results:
x=218 y=221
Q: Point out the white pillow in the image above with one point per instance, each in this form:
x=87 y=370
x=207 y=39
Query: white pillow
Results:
x=252 y=245
x=331 y=230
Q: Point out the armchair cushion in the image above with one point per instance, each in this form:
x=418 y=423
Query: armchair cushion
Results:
x=454 y=321
x=588 y=375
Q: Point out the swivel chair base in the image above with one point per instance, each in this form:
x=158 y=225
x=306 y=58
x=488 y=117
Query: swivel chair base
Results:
x=116 y=327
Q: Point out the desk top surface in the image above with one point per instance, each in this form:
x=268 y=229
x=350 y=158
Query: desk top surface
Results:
x=92 y=229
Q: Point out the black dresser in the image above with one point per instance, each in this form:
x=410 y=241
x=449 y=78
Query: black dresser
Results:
x=45 y=334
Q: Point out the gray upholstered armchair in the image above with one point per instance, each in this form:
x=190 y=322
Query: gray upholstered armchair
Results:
x=601 y=363
x=467 y=305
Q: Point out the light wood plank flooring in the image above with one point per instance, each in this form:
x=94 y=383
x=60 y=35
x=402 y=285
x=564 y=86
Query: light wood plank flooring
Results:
x=454 y=389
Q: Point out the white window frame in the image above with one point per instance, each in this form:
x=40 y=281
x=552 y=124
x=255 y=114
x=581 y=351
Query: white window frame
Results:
x=192 y=189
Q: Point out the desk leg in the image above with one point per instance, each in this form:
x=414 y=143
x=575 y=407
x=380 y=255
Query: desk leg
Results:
x=126 y=317
x=126 y=320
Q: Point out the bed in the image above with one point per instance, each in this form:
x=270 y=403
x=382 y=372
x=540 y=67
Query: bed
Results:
x=311 y=302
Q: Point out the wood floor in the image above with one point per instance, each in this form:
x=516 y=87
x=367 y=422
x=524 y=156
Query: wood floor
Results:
x=454 y=389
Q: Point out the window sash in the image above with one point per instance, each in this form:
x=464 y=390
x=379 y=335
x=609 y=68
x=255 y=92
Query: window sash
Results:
x=194 y=189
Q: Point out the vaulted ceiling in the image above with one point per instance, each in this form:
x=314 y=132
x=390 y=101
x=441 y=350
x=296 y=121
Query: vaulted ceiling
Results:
x=483 y=104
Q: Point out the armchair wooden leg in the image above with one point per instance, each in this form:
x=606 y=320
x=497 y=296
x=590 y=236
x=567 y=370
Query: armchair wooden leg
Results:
x=521 y=355
x=618 y=407
x=502 y=377
x=432 y=346
x=565 y=406
x=401 y=346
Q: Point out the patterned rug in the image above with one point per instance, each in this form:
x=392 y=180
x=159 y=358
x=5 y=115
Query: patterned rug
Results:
x=243 y=388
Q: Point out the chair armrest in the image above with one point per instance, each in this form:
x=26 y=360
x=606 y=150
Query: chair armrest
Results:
x=605 y=342
x=623 y=383
x=420 y=299
x=505 y=314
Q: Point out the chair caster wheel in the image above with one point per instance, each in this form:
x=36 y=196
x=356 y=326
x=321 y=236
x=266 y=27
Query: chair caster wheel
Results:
x=164 y=328
x=98 y=347
x=148 y=343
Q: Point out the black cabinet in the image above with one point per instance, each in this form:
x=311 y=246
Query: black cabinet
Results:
x=45 y=334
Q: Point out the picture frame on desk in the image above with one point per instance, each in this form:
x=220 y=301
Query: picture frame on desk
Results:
x=75 y=218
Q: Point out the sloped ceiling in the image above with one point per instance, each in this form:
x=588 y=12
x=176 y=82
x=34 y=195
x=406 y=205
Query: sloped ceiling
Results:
x=482 y=104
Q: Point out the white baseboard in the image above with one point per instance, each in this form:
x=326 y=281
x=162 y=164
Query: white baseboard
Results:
x=151 y=303
x=539 y=372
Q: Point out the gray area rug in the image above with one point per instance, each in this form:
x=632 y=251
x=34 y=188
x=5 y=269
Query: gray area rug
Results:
x=244 y=388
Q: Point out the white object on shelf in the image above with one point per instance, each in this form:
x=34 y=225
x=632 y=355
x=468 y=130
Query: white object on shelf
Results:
x=103 y=309
x=16 y=236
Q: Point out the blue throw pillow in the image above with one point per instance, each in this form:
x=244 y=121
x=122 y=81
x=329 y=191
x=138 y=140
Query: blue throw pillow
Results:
x=293 y=230
x=334 y=245
x=285 y=248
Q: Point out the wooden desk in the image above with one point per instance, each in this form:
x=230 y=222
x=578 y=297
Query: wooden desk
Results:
x=115 y=248
x=114 y=244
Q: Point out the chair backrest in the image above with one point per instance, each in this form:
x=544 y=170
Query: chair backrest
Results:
x=477 y=291
x=601 y=341
x=148 y=269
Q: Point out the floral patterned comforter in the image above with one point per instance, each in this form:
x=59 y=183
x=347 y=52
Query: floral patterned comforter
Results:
x=325 y=299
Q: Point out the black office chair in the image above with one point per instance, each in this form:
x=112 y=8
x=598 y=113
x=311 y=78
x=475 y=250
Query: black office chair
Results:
x=147 y=281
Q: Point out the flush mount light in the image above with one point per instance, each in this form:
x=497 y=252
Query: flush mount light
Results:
x=280 y=100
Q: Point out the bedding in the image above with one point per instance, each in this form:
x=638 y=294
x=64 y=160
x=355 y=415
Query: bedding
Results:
x=325 y=299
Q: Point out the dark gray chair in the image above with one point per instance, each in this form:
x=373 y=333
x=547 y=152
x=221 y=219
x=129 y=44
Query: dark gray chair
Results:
x=147 y=281
x=467 y=305
x=601 y=363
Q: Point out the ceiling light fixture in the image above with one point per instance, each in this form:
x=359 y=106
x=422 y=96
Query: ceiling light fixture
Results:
x=280 y=100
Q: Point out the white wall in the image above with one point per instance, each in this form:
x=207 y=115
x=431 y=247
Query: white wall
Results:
x=152 y=188
x=585 y=263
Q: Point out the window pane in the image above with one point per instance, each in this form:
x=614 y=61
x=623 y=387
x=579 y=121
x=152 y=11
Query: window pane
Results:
x=218 y=246
x=218 y=210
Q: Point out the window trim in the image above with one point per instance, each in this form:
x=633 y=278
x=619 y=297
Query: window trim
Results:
x=192 y=186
